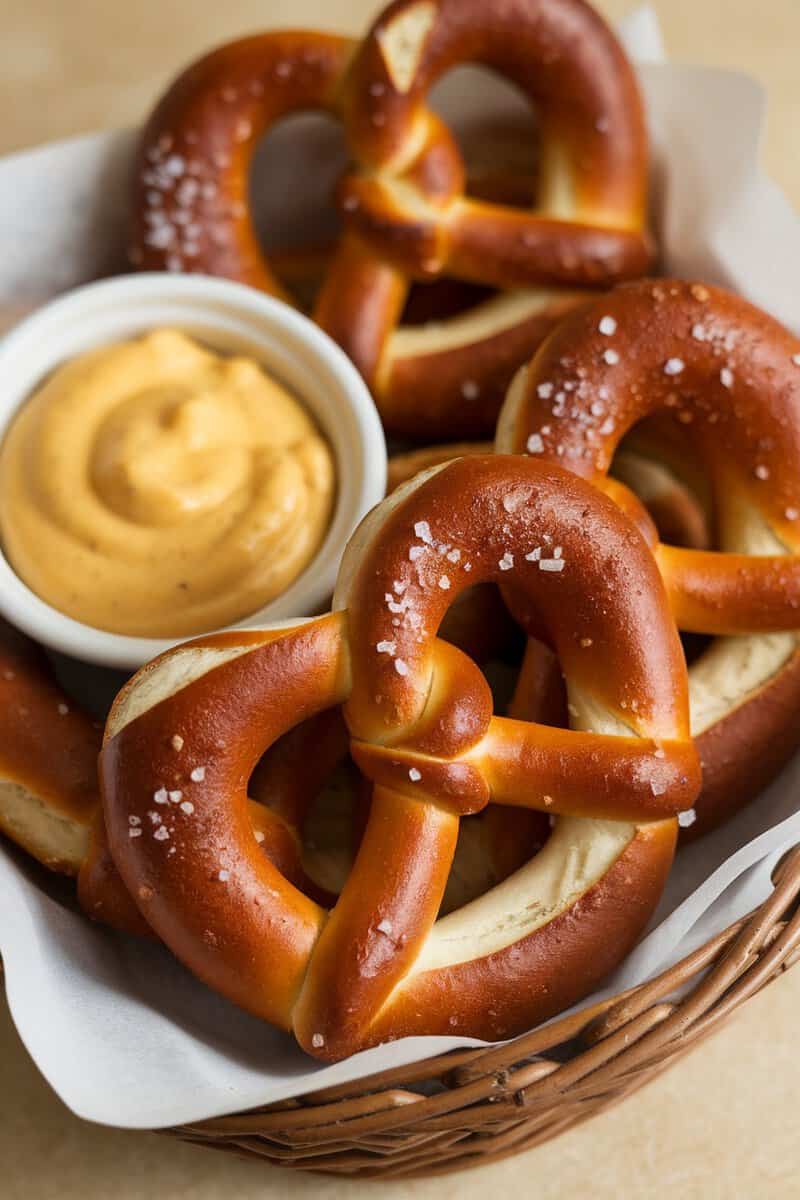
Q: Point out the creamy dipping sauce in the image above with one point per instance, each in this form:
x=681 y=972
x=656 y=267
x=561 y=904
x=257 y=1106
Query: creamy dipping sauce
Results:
x=159 y=489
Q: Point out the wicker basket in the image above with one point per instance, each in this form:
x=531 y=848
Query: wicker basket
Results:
x=475 y=1106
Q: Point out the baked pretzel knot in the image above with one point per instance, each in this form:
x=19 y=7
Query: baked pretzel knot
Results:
x=729 y=375
x=185 y=734
x=403 y=205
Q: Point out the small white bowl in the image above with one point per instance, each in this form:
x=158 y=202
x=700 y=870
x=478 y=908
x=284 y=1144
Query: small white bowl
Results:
x=228 y=317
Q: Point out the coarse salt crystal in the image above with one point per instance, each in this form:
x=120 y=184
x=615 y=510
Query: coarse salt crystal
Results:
x=685 y=819
x=161 y=796
x=161 y=834
x=551 y=564
x=384 y=926
x=63 y=709
x=611 y=357
x=416 y=552
x=224 y=876
x=198 y=775
x=187 y=807
x=761 y=472
x=401 y=666
x=423 y=531
x=607 y=326
x=674 y=366
x=259 y=836
x=544 y=391
x=796 y=359
x=791 y=514
x=134 y=820
x=506 y=562
x=444 y=582
x=176 y=796
x=386 y=647
x=535 y=444
x=414 y=775
x=470 y=390
x=586 y=642
x=177 y=742
x=657 y=788
x=726 y=377
x=534 y=555
x=134 y=832
x=317 y=1041
x=453 y=556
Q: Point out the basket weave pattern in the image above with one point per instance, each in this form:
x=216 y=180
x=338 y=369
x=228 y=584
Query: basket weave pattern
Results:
x=475 y=1106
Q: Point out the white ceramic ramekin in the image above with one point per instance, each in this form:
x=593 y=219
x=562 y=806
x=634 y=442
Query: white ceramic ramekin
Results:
x=234 y=319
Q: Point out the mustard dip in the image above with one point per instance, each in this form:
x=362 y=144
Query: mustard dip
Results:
x=158 y=489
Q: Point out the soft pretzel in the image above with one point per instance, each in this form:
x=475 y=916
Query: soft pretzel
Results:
x=730 y=375
x=49 y=794
x=421 y=728
x=192 y=212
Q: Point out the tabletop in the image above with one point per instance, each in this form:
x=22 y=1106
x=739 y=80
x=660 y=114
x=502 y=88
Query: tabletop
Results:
x=721 y=1123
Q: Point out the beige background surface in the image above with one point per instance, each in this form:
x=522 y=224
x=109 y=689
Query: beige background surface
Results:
x=722 y=1124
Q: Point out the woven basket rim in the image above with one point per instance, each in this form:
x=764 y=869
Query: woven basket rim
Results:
x=476 y=1105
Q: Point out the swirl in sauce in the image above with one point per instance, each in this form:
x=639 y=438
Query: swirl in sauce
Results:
x=159 y=489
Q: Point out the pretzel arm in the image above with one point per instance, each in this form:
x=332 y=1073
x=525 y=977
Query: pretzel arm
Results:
x=402 y=865
x=575 y=773
x=722 y=593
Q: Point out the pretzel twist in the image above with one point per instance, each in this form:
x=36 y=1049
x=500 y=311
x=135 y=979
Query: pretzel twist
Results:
x=404 y=209
x=419 y=713
x=730 y=375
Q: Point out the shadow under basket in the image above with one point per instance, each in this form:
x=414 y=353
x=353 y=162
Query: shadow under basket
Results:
x=470 y=1107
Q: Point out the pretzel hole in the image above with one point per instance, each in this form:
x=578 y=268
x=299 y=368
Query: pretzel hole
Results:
x=292 y=180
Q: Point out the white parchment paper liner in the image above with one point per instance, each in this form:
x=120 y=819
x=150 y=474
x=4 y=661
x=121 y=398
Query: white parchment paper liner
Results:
x=123 y=1034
